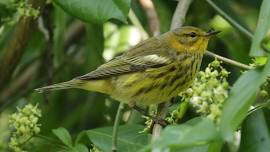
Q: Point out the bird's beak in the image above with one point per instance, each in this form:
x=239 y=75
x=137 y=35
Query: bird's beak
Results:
x=212 y=32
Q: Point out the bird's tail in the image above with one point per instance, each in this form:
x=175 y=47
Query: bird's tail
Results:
x=60 y=86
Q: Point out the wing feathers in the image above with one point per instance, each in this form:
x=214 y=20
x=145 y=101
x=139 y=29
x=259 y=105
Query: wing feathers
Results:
x=141 y=57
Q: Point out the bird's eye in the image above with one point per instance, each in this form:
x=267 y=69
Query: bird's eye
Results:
x=190 y=37
x=192 y=34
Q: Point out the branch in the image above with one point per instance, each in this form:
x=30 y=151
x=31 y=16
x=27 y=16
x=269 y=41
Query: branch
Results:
x=16 y=44
x=179 y=16
x=177 y=21
x=229 y=61
x=153 y=22
x=152 y=17
x=161 y=113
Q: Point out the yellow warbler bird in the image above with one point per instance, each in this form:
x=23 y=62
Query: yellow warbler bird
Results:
x=151 y=72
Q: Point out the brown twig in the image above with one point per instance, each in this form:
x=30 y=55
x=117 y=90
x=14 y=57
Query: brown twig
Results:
x=178 y=21
x=16 y=44
x=153 y=21
x=162 y=111
x=152 y=17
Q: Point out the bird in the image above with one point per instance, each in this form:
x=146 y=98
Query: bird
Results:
x=152 y=72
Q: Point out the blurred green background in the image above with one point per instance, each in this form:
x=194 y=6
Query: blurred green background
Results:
x=60 y=47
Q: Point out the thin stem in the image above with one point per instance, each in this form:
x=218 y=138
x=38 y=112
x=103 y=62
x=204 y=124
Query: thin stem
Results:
x=229 y=61
x=152 y=17
x=137 y=23
x=116 y=126
x=230 y=20
x=258 y=107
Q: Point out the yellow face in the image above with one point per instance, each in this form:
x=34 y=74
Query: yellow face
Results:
x=191 y=39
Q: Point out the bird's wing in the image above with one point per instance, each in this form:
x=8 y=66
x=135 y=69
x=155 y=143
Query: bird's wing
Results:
x=141 y=57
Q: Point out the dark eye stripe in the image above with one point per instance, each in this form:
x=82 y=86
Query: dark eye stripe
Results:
x=192 y=34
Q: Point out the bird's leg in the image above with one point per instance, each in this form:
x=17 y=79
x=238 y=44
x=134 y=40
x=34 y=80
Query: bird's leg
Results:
x=156 y=119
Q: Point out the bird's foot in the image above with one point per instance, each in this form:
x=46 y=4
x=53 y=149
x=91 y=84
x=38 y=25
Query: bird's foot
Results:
x=155 y=119
x=158 y=120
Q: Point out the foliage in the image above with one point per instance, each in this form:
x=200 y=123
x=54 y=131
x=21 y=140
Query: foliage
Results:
x=21 y=9
x=71 y=38
x=25 y=124
x=181 y=137
x=209 y=91
x=129 y=138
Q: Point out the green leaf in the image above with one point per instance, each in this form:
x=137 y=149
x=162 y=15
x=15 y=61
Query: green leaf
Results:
x=129 y=138
x=262 y=26
x=242 y=95
x=191 y=136
x=255 y=134
x=63 y=135
x=95 y=46
x=94 y=11
x=79 y=148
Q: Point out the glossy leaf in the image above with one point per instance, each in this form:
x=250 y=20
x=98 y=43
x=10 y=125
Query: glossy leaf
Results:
x=242 y=95
x=63 y=135
x=94 y=11
x=186 y=137
x=263 y=26
x=79 y=148
x=255 y=134
x=129 y=138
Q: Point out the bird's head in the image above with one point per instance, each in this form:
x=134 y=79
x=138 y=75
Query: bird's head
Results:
x=191 y=39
